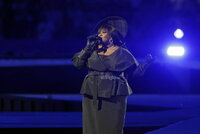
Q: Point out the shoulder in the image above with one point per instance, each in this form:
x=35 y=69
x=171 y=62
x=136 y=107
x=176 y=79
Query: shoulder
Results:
x=124 y=49
x=125 y=53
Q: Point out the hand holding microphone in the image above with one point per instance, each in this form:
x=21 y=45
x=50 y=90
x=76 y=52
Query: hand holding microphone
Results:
x=92 y=43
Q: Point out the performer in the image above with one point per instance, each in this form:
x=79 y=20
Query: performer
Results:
x=105 y=87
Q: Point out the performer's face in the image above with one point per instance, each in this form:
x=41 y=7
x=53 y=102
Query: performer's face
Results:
x=103 y=33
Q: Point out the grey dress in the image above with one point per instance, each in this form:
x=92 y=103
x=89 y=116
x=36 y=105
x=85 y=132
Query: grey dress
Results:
x=105 y=89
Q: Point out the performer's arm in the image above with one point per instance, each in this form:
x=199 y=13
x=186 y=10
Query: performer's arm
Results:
x=138 y=70
x=80 y=59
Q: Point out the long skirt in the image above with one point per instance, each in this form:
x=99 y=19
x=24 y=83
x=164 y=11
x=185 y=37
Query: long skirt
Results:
x=104 y=115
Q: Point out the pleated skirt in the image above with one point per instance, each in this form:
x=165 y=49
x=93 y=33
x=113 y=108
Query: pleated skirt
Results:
x=104 y=115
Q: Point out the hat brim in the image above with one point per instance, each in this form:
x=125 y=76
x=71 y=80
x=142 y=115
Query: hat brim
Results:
x=119 y=23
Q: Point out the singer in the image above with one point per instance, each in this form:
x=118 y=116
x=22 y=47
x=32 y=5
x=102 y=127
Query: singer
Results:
x=105 y=88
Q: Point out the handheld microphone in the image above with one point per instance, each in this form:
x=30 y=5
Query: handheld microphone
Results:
x=95 y=38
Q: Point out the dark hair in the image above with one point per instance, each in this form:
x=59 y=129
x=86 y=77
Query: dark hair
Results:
x=116 y=36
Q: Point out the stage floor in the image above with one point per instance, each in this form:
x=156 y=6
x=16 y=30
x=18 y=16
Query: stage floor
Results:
x=168 y=113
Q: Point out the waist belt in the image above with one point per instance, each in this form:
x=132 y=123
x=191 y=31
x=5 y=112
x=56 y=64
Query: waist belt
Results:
x=103 y=75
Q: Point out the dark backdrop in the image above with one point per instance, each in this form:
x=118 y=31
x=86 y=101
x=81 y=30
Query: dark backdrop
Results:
x=49 y=29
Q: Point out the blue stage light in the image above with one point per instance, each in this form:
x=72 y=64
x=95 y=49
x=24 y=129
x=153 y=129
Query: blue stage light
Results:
x=179 y=33
x=176 y=51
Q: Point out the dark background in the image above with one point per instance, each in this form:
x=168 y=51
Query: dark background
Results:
x=50 y=29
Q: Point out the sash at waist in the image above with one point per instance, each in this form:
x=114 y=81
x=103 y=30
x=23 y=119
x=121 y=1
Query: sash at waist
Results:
x=108 y=73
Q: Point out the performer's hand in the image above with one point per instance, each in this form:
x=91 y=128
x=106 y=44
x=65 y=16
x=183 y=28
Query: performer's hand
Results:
x=149 y=58
x=92 y=42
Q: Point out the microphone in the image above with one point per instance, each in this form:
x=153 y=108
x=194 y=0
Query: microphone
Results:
x=95 y=38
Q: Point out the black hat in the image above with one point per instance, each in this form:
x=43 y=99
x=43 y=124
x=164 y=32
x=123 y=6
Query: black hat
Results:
x=117 y=22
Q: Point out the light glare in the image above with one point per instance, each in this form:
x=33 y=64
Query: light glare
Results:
x=178 y=33
x=175 y=51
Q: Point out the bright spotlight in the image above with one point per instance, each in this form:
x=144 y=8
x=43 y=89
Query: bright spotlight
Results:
x=178 y=34
x=176 y=51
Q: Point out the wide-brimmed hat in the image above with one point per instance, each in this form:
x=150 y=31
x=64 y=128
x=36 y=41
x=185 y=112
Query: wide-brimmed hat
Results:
x=119 y=23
